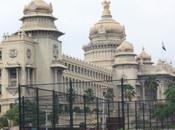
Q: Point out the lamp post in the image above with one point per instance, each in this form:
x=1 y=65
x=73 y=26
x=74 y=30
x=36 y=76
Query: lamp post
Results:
x=123 y=102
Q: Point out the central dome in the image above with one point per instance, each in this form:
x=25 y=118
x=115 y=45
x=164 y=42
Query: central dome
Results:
x=38 y=6
x=107 y=24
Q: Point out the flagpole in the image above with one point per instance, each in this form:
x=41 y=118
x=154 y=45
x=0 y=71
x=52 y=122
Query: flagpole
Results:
x=163 y=51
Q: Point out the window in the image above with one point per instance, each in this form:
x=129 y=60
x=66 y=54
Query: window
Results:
x=0 y=74
x=0 y=89
x=68 y=66
x=12 y=73
x=72 y=68
x=12 y=77
x=0 y=55
x=75 y=69
x=11 y=105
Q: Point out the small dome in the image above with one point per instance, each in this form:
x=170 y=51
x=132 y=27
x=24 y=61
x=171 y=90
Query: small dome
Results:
x=144 y=56
x=38 y=6
x=87 y=47
x=125 y=47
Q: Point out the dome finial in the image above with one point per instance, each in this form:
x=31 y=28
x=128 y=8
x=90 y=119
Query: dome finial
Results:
x=106 y=8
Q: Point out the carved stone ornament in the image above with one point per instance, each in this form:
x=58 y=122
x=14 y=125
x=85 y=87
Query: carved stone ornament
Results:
x=28 y=53
x=101 y=30
x=55 y=51
x=13 y=53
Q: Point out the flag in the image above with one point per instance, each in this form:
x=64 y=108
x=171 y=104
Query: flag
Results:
x=163 y=46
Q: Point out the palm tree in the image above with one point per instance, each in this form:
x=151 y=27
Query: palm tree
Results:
x=151 y=86
x=89 y=94
x=68 y=94
x=129 y=92
x=109 y=94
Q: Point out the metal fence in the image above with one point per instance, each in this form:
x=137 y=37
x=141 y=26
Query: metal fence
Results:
x=48 y=109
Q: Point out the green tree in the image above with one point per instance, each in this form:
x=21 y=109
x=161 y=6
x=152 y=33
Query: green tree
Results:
x=89 y=95
x=30 y=110
x=3 y=122
x=170 y=92
x=166 y=109
x=13 y=114
x=109 y=94
x=68 y=94
x=163 y=110
x=129 y=92
x=151 y=85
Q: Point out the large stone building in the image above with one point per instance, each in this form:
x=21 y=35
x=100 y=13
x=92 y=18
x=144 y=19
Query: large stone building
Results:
x=33 y=55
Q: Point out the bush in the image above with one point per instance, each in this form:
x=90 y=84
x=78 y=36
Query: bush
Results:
x=3 y=122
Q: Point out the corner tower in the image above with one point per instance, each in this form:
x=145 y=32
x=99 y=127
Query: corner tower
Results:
x=105 y=36
x=39 y=22
x=125 y=66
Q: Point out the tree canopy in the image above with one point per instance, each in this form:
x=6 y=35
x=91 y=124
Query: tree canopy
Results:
x=109 y=94
x=89 y=94
x=30 y=111
x=129 y=92
x=3 y=122
x=166 y=109
x=151 y=85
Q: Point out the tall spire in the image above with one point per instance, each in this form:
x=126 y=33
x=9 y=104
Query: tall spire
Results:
x=106 y=8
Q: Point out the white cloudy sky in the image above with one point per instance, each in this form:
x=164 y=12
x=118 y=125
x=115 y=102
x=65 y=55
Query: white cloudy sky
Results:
x=147 y=22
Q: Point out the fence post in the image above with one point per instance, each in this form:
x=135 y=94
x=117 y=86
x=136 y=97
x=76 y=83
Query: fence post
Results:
x=37 y=104
x=150 y=116
x=123 y=103
x=23 y=113
x=136 y=114
x=71 y=105
x=97 y=112
x=119 y=119
x=128 y=121
x=84 y=97
x=53 y=108
x=19 y=96
x=109 y=125
x=143 y=116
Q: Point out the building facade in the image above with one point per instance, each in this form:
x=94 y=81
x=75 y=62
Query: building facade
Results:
x=33 y=55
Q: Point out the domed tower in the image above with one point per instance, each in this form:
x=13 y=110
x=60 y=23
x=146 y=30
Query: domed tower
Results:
x=125 y=65
x=105 y=36
x=144 y=58
x=38 y=21
x=144 y=61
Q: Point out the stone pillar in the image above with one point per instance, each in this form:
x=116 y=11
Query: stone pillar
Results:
x=55 y=79
x=17 y=76
x=28 y=76
x=23 y=76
